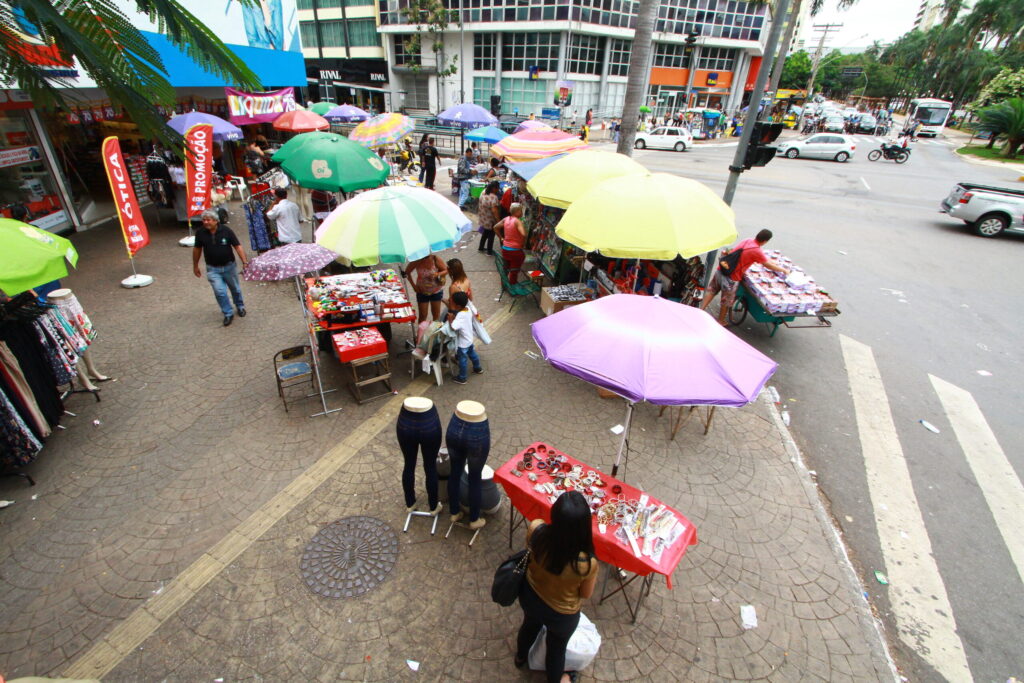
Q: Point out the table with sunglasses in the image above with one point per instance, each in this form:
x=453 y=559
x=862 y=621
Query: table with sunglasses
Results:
x=658 y=535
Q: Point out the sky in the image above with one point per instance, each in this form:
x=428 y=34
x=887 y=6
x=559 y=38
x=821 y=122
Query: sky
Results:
x=883 y=20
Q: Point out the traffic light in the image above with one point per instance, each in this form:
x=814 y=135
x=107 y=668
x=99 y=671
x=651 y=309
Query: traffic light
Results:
x=691 y=40
x=760 y=151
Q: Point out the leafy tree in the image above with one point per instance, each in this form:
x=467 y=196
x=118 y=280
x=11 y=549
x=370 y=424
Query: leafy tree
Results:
x=113 y=52
x=1006 y=84
x=796 y=70
x=434 y=18
x=1005 y=120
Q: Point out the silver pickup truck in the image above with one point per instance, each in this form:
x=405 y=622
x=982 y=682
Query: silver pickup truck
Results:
x=989 y=210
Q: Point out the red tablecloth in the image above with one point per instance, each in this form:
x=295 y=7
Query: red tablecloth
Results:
x=535 y=505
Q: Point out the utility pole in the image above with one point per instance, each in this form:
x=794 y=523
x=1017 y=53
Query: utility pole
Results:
x=462 y=56
x=753 y=113
x=825 y=30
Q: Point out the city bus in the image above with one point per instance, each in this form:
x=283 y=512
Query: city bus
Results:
x=932 y=114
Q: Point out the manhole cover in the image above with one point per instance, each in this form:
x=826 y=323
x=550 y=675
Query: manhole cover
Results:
x=349 y=557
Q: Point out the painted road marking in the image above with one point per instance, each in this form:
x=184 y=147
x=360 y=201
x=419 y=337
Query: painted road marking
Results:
x=998 y=481
x=100 y=659
x=920 y=604
x=866 y=186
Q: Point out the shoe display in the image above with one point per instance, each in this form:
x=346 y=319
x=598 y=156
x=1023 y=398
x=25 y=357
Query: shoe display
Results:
x=437 y=510
x=228 y=319
x=456 y=517
x=478 y=523
x=411 y=508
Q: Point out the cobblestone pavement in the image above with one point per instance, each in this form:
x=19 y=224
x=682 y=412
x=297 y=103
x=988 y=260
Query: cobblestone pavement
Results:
x=163 y=542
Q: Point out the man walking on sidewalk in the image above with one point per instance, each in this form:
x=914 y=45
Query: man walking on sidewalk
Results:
x=217 y=244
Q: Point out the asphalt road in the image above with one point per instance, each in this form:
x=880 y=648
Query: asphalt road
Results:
x=927 y=298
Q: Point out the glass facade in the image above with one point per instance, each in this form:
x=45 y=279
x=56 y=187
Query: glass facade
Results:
x=716 y=59
x=520 y=51
x=618 y=64
x=484 y=51
x=731 y=19
x=483 y=88
x=586 y=54
x=671 y=55
x=361 y=33
x=525 y=95
x=330 y=4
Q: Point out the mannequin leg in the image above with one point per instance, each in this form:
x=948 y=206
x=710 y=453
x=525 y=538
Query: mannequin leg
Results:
x=91 y=368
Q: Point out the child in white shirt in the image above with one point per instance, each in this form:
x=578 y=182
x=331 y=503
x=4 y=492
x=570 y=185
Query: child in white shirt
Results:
x=462 y=323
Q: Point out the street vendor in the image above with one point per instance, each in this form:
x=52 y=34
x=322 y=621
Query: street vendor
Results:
x=733 y=264
x=427 y=277
x=512 y=233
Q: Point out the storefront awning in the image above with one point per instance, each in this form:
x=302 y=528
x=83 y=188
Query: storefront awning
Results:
x=358 y=86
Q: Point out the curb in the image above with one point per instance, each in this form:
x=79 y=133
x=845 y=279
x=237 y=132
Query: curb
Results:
x=871 y=624
x=970 y=158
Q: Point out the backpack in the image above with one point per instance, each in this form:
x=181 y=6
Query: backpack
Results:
x=730 y=262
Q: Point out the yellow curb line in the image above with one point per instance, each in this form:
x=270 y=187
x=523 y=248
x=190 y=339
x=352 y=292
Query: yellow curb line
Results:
x=123 y=639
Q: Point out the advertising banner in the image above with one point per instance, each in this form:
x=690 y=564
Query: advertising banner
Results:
x=261 y=107
x=132 y=225
x=198 y=167
x=12 y=156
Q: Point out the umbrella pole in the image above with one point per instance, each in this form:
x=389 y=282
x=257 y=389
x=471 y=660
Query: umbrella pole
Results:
x=636 y=280
x=625 y=435
x=315 y=354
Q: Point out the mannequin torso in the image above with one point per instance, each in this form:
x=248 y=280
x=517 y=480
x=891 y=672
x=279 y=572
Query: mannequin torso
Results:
x=471 y=411
x=417 y=404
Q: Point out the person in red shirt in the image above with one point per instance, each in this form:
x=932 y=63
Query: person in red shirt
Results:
x=726 y=283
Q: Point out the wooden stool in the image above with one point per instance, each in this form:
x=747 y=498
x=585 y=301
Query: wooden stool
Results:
x=683 y=415
x=381 y=366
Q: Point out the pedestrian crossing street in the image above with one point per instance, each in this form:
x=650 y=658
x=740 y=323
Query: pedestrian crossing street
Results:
x=927 y=626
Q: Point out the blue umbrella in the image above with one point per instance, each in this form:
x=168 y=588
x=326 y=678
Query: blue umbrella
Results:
x=346 y=113
x=466 y=115
x=222 y=130
x=488 y=134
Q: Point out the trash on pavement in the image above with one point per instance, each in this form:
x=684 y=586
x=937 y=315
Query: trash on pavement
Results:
x=984 y=373
x=785 y=417
x=881 y=578
x=749 y=616
x=6 y=503
x=414 y=665
x=617 y=429
x=929 y=426
x=532 y=355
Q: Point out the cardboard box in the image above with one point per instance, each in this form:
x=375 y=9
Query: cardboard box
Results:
x=550 y=306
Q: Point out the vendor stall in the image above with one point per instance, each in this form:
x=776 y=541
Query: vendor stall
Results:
x=633 y=532
x=776 y=299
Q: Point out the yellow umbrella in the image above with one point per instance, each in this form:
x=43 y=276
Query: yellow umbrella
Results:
x=562 y=182
x=654 y=216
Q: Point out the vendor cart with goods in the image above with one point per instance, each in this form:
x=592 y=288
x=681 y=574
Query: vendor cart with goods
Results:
x=776 y=299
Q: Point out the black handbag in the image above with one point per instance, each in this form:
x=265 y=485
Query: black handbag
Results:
x=509 y=577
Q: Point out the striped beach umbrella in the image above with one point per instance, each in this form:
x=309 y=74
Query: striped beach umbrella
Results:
x=530 y=145
x=392 y=225
x=383 y=129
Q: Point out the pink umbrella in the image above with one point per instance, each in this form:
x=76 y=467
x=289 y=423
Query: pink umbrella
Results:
x=301 y=121
x=532 y=124
x=536 y=144
x=652 y=349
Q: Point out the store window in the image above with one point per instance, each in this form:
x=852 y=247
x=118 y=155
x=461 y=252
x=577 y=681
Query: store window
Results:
x=484 y=51
x=619 y=62
x=670 y=55
x=526 y=96
x=402 y=55
x=28 y=186
x=522 y=50
x=585 y=54
x=363 y=33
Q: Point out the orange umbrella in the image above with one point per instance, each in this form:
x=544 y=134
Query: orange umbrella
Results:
x=301 y=121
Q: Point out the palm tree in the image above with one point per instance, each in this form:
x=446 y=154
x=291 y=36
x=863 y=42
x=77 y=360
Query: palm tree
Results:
x=112 y=50
x=1005 y=120
x=638 y=61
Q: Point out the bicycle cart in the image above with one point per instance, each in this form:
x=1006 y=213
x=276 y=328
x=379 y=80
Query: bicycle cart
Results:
x=747 y=303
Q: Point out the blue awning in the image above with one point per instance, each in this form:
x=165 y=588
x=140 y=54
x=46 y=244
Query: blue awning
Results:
x=274 y=68
x=528 y=169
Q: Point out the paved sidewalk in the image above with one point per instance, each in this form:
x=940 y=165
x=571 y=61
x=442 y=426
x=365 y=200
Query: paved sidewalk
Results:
x=165 y=541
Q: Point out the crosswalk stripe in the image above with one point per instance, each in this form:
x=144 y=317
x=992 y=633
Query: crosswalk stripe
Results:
x=920 y=604
x=998 y=481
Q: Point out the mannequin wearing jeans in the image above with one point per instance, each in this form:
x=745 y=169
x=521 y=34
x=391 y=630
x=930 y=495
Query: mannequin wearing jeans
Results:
x=419 y=427
x=469 y=441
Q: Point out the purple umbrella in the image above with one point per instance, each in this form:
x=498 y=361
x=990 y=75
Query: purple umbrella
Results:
x=532 y=124
x=651 y=349
x=346 y=113
x=294 y=260
x=222 y=130
x=467 y=115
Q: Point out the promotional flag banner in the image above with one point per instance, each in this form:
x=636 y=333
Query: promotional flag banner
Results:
x=136 y=236
x=198 y=167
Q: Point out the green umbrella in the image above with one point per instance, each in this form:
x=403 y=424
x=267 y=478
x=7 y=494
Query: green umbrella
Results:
x=335 y=163
x=30 y=256
x=322 y=108
x=645 y=109
x=288 y=148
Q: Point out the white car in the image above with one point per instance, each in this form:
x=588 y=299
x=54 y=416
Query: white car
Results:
x=834 y=124
x=818 y=146
x=664 y=137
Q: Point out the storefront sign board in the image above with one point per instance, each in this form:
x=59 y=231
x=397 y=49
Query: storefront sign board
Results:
x=198 y=167
x=264 y=107
x=136 y=236
x=13 y=156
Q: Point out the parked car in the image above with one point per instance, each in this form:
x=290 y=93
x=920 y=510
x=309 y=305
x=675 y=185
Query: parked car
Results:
x=989 y=210
x=834 y=124
x=665 y=137
x=867 y=124
x=818 y=146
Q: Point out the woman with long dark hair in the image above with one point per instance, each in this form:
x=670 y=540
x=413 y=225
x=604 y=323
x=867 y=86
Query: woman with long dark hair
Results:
x=420 y=152
x=561 y=574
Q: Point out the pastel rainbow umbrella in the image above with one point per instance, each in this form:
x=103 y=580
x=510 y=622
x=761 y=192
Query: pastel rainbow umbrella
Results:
x=532 y=124
x=392 y=225
x=530 y=145
x=301 y=121
x=383 y=129
x=563 y=181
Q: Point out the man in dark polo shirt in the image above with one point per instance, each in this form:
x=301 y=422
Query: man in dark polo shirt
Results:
x=218 y=245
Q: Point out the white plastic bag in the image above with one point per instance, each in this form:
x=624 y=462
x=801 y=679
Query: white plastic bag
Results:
x=582 y=648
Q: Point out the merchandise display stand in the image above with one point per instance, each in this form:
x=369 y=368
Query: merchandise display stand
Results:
x=463 y=525
x=682 y=416
x=418 y=513
x=381 y=365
